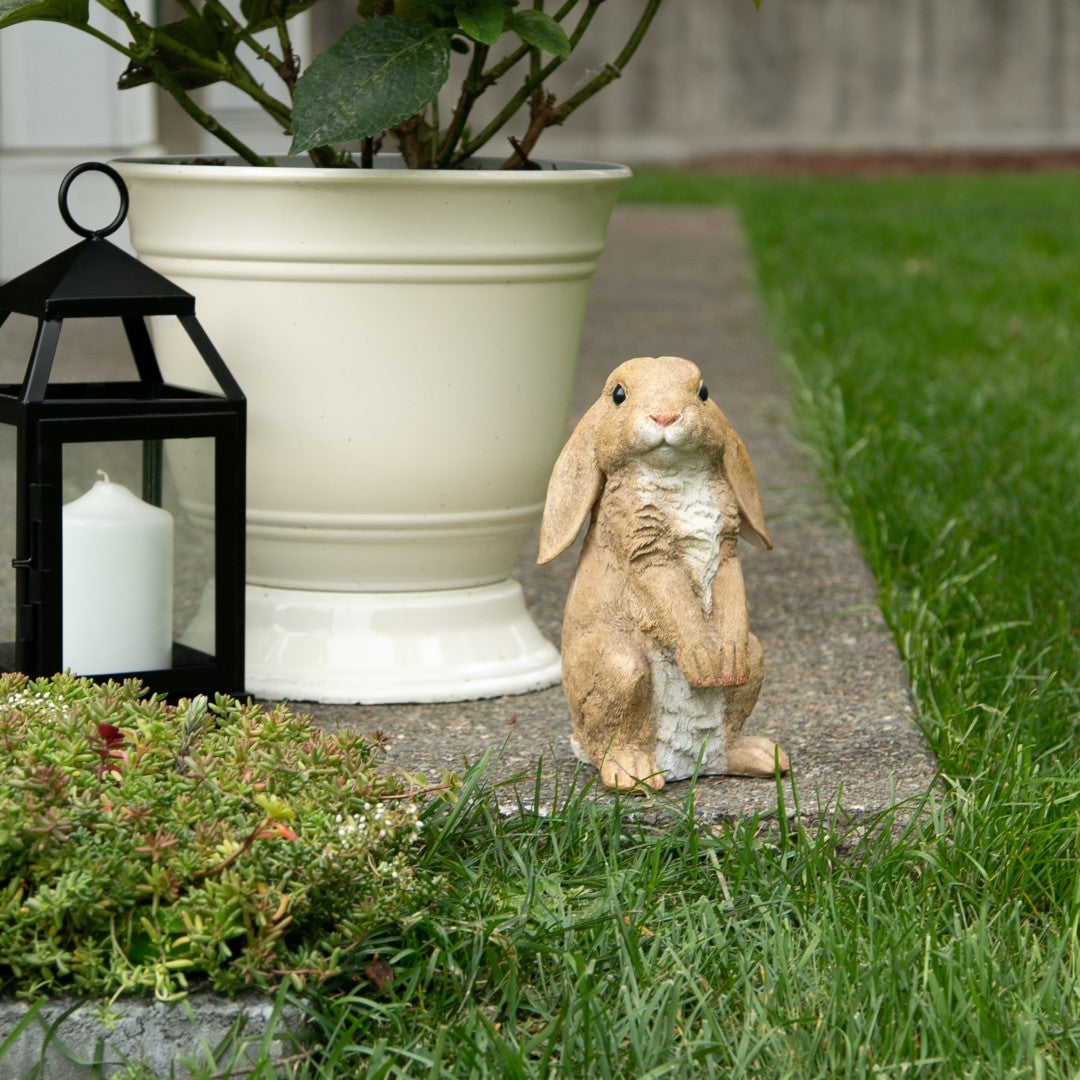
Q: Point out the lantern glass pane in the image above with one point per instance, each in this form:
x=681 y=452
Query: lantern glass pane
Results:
x=92 y=350
x=138 y=554
x=16 y=341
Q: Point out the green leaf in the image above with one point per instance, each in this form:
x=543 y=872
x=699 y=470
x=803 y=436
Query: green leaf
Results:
x=429 y=12
x=376 y=75
x=540 y=30
x=203 y=36
x=72 y=12
x=259 y=14
x=482 y=20
x=141 y=948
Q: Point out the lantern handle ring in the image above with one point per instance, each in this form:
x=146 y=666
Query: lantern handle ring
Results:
x=121 y=187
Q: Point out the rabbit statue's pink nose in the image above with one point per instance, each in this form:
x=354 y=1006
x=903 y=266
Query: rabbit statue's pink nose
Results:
x=664 y=418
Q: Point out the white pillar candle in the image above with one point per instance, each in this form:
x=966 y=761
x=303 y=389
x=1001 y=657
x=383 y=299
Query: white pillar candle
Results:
x=117 y=582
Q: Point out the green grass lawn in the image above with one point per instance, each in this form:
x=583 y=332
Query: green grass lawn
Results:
x=931 y=329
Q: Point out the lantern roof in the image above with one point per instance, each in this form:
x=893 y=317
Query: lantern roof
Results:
x=93 y=278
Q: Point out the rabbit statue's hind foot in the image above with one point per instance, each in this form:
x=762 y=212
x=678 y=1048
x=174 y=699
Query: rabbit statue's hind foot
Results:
x=627 y=768
x=609 y=689
x=751 y=755
x=624 y=768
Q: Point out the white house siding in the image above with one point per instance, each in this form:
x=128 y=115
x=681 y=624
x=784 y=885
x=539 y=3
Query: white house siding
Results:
x=59 y=106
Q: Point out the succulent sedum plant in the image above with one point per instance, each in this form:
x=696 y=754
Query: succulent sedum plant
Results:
x=146 y=848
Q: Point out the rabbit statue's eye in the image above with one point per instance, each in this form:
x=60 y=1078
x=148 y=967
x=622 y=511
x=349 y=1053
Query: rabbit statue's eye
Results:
x=703 y=392
x=618 y=395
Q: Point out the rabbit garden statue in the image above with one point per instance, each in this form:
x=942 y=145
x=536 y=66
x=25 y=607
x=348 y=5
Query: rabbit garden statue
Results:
x=659 y=664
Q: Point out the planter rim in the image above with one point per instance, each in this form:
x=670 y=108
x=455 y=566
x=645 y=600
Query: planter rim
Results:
x=389 y=169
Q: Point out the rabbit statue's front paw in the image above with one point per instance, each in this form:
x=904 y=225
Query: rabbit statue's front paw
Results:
x=706 y=662
x=700 y=661
x=735 y=662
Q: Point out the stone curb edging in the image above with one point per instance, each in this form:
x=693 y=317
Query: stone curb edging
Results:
x=70 y=1039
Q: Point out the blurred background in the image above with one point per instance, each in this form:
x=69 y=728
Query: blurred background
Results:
x=716 y=83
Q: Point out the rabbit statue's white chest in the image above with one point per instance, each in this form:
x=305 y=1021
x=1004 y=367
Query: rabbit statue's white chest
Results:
x=697 y=509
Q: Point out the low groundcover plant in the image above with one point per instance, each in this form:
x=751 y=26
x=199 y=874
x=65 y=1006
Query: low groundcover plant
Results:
x=154 y=848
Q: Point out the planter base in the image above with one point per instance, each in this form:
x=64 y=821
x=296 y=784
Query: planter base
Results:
x=380 y=648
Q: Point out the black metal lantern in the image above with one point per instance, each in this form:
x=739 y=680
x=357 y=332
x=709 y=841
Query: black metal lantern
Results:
x=128 y=495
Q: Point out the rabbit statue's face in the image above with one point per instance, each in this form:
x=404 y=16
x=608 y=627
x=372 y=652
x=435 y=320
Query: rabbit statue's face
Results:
x=654 y=419
x=656 y=409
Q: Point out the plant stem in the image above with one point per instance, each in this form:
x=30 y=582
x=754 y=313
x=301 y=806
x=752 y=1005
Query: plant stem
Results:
x=509 y=110
x=286 y=66
x=159 y=40
x=289 y=68
x=164 y=78
x=237 y=74
x=535 y=63
x=233 y=73
x=408 y=143
x=545 y=113
x=143 y=36
x=112 y=43
x=533 y=83
x=203 y=119
x=471 y=89
x=613 y=70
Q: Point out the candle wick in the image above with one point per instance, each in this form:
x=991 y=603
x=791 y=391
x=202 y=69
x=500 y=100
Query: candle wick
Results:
x=104 y=475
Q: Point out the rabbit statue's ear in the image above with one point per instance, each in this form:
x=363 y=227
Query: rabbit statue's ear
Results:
x=739 y=470
x=575 y=485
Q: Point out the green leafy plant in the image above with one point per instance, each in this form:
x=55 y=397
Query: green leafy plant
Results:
x=143 y=846
x=382 y=77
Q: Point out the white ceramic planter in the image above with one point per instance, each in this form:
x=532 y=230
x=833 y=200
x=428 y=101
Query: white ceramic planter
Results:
x=407 y=342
